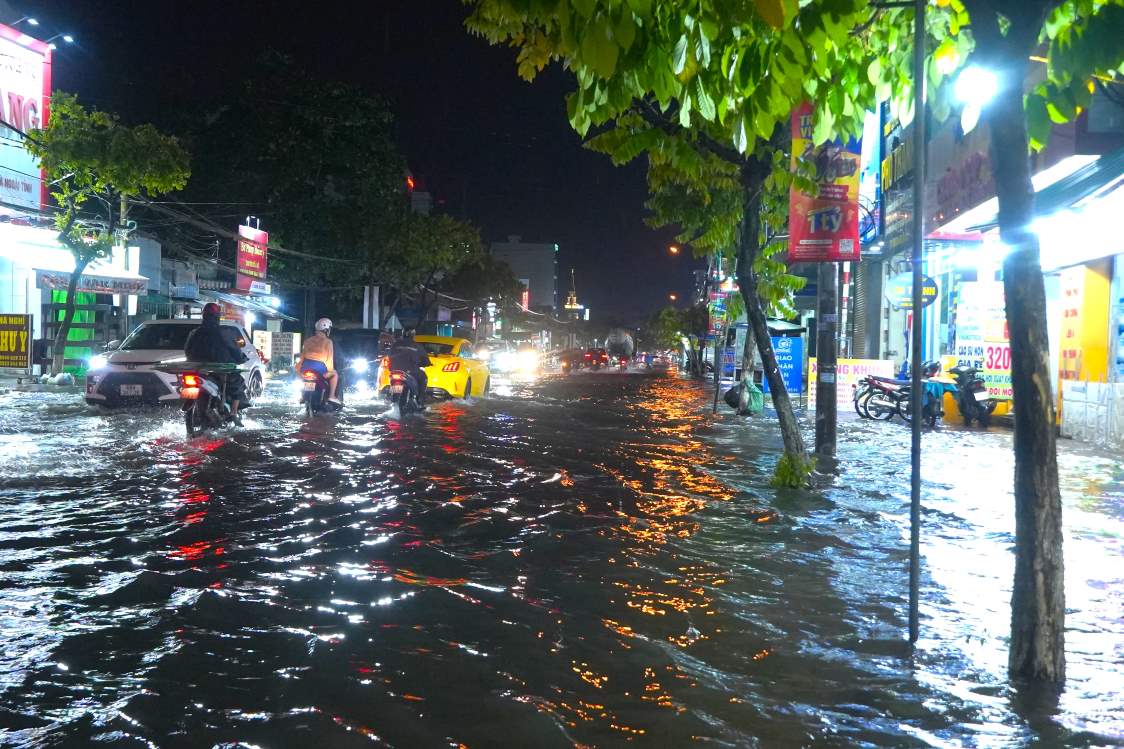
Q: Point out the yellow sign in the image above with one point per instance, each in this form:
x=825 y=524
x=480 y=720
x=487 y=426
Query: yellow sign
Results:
x=15 y=341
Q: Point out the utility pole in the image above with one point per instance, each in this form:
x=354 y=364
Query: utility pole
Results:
x=917 y=258
x=826 y=360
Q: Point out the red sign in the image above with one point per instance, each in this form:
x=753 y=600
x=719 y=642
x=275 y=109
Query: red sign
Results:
x=824 y=228
x=25 y=95
x=251 y=256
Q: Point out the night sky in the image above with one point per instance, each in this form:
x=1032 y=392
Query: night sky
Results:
x=496 y=150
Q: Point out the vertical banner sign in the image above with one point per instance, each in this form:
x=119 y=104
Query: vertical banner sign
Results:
x=981 y=335
x=824 y=228
x=15 y=342
x=790 y=361
x=25 y=93
x=251 y=257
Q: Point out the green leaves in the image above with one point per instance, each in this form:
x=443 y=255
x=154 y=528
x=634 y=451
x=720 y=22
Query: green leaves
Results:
x=679 y=57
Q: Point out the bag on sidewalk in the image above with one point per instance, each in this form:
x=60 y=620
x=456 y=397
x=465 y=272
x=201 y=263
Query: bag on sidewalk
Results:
x=753 y=402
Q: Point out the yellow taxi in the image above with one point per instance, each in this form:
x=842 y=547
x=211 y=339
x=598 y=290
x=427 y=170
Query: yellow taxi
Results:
x=455 y=371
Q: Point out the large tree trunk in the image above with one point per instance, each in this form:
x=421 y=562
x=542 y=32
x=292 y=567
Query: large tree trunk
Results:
x=1037 y=648
x=749 y=245
x=1038 y=601
x=58 y=349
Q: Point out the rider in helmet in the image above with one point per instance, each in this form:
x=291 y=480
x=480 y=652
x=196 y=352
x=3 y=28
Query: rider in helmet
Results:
x=409 y=357
x=207 y=343
x=318 y=355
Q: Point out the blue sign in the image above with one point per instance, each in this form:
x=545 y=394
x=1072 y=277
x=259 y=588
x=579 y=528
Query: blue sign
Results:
x=729 y=362
x=790 y=360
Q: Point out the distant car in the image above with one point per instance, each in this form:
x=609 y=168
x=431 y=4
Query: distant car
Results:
x=125 y=375
x=358 y=353
x=595 y=358
x=455 y=371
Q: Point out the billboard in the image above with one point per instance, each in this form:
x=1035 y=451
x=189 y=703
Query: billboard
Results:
x=252 y=257
x=824 y=228
x=789 y=351
x=15 y=341
x=25 y=91
x=981 y=335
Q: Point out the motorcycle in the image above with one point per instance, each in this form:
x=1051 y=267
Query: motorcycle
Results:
x=314 y=394
x=203 y=396
x=972 y=398
x=882 y=397
x=404 y=392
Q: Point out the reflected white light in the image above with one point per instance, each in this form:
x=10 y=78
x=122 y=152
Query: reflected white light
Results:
x=969 y=118
x=274 y=301
x=250 y=319
x=976 y=85
x=97 y=361
x=528 y=360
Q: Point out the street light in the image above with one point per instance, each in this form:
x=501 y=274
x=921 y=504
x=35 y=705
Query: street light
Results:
x=30 y=21
x=673 y=249
x=673 y=297
x=65 y=37
x=976 y=86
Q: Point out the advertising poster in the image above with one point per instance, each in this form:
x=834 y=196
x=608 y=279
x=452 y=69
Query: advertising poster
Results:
x=981 y=335
x=790 y=361
x=49 y=279
x=848 y=374
x=824 y=228
x=25 y=91
x=251 y=257
x=15 y=341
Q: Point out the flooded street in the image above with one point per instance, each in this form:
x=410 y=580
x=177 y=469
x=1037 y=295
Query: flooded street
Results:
x=582 y=561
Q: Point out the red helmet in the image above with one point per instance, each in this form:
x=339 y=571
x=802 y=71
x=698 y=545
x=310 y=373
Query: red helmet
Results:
x=211 y=310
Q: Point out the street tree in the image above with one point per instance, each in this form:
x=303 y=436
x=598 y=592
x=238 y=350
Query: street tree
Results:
x=714 y=84
x=664 y=329
x=422 y=252
x=1084 y=41
x=481 y=279
x=89 y=154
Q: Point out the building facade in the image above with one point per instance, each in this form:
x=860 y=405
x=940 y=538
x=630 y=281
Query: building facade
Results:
x=535 y=264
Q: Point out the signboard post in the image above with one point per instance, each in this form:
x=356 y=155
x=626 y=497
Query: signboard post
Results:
x=252 y=257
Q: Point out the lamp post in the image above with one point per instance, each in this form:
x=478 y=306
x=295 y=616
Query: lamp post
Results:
x=30 y=21
x=50 y=42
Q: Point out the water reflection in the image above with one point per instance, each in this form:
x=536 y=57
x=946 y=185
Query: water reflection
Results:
x=581 y=561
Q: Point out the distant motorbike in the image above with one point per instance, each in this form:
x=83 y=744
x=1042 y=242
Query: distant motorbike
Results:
x=314 y=394
x=972 y=398
x=404 y=392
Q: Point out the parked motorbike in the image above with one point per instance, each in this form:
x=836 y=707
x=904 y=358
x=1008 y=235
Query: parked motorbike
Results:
x=314 y=394
x=404 y=392
x=972 y=398
x=882 y=397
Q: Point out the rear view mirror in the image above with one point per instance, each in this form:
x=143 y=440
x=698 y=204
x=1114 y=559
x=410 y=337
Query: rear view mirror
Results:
x=113 y=345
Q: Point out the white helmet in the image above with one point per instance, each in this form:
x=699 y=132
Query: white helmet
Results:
x=324 y=324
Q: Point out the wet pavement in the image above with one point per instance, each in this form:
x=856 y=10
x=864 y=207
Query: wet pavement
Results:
x=582 y=561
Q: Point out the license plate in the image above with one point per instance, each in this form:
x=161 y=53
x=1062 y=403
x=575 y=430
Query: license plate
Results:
x=982 y=395
x=396 y=389
x=310 y=387
x=131 y=391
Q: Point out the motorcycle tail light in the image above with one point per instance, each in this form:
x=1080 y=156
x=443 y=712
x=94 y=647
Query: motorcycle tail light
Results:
x=451 y=367
x=191 y=381
x=397 y=378
x=308 y=374
x=189 y=393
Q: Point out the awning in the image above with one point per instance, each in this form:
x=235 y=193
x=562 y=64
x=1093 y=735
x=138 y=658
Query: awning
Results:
x=1090 y=181
x=245 y=302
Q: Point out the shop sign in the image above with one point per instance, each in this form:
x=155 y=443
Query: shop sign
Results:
x=982 y=341
x=251 y=256
x=15 y=341
x=848 y=374
x=25 y=90
x=184 y=291
x=824 y=228
x=789 y=351
x=899 y=290
x=47 y=279
x=260 y=287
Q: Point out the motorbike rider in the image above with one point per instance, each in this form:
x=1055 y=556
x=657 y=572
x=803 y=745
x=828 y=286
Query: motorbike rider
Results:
x=207 y=343
x=407 y=356
x=318 y=355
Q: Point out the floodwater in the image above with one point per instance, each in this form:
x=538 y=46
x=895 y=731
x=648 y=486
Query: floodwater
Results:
x=582 y=561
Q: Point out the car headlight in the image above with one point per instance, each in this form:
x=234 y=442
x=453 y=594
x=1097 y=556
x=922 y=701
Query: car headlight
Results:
x=360 y=365
x=528 y=360
x=505 y=360
x=97 y=361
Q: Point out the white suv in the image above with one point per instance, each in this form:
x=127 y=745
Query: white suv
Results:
x=127 y=377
